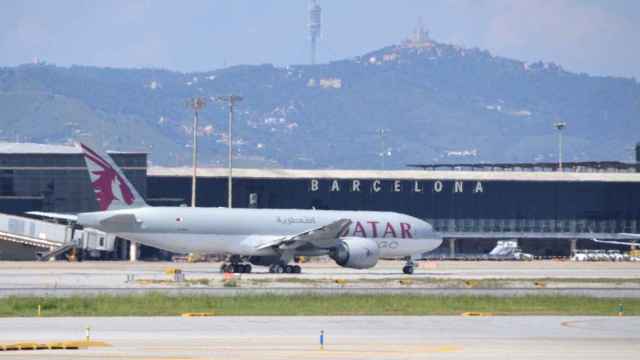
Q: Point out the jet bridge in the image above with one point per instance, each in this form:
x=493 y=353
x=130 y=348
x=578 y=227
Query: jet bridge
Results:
x=33 y=236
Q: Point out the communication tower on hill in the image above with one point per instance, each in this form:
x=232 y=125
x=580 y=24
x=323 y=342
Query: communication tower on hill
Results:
x=315 y=17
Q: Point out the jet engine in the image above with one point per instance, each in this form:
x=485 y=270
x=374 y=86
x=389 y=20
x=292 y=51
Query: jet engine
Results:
x=356 y=253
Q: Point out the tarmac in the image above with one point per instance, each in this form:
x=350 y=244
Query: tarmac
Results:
x=505 y=278
x=110 y=273
x=119 y=274
x=432 y=337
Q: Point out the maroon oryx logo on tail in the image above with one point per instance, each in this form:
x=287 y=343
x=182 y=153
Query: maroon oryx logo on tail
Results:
x=106 y=177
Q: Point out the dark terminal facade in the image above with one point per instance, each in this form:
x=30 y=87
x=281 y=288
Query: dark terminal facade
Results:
x=537 y=207
x=548 y=211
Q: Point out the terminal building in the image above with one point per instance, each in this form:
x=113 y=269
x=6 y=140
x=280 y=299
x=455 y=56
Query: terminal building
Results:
x=548 y=211
x=54 y=178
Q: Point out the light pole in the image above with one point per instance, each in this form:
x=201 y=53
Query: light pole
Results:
x=196 y=104
x=560 y=126
x=385 y=151
x=231 y=99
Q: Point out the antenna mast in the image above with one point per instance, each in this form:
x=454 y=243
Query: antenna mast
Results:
x=315 y=16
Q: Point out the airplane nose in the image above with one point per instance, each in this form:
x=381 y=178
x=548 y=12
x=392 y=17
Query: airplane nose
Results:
x=426 y=230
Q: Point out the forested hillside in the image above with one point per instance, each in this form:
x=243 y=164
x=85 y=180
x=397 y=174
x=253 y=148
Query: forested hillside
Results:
x=436 y=102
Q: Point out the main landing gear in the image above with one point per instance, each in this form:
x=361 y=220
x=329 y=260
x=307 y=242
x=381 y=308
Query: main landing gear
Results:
x=287 y=269
x=235 y=265
x=236 y=268
x=409 y=266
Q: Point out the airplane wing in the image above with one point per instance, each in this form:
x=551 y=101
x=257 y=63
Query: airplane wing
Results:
x=631 y=235
x=120 y=219
x=119 y=223
x=57 y=216
x=322 y=237
x=616 y=242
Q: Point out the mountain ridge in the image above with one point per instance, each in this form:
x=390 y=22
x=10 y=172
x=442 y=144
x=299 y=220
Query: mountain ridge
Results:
x=437 y=102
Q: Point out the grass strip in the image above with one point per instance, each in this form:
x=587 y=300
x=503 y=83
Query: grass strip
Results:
x=432 y=280
x=157 y=304
x=489 y=283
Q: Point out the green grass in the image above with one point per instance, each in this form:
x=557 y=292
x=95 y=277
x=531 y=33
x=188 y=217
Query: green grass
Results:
x=157 y=304
x=588 y=280
x=292 y=280
x=492 y=283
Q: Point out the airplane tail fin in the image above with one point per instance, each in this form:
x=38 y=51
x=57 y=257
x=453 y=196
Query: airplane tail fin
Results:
x=113 y=190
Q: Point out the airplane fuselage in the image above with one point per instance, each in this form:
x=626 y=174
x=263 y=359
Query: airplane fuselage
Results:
x=242 y=231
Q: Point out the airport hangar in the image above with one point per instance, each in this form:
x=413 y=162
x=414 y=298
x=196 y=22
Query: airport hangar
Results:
x=548 y=212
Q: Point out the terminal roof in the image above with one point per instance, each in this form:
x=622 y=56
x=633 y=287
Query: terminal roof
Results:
x=34 y=148
x=400 y=174
x=580 y=166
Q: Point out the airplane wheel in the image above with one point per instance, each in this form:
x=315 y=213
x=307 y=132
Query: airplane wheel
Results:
x=228 y=268
x=297 y=269
x=407 y=270
x=288 y=269
x=246 y=269
x=223 y=268
x=278 y=269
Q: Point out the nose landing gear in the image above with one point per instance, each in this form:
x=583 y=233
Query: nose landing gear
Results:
x=409 y=266
x=407 y=269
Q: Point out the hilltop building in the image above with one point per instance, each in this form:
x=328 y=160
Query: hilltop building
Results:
x=419 y=37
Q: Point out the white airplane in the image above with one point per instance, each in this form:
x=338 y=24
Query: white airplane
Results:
x=266 y=237
x=613 y=242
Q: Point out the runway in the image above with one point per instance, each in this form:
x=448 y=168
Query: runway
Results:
x=450 y=337
x=432 y=337
x=436 y=278
x=110 y=273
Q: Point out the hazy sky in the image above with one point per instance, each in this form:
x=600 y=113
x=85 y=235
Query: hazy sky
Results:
x=597 y=37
